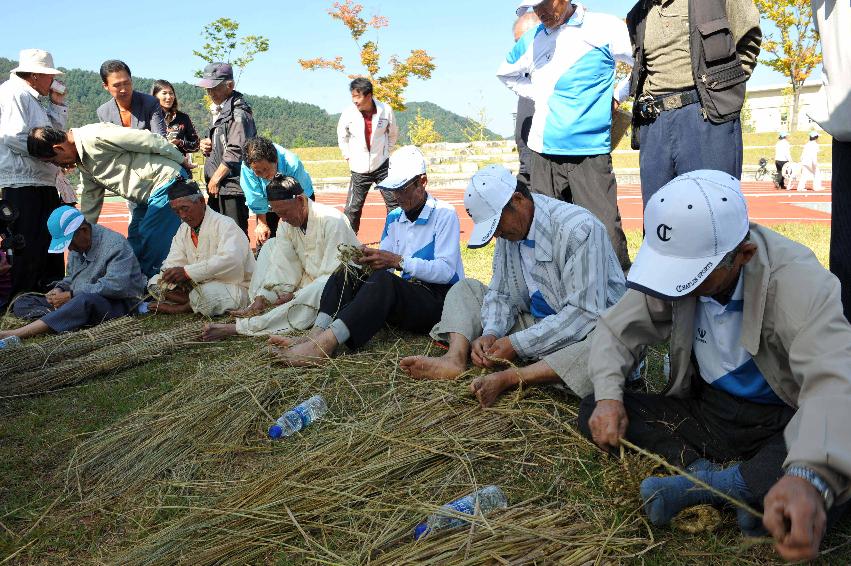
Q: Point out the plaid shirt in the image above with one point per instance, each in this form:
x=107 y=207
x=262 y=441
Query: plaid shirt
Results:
x=576 y=271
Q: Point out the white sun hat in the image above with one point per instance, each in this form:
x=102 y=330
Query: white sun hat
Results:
x=690 y=224
x=489 y=191
x=36 y=61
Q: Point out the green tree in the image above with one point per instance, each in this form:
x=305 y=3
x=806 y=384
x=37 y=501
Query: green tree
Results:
x=795 y=52
x=421 y=130
x=477 y=128
x=389 y=87
x=222 y=43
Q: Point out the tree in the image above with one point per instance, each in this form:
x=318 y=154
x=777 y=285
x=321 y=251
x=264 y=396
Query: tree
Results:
x=477 y=128
x=221 y=41
x=421 y=131
x=389 y=87
x=796 y=52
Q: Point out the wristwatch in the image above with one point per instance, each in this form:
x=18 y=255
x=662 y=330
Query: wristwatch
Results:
x=816 y=480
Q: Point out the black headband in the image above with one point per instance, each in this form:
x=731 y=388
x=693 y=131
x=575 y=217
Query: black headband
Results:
x=181 y=188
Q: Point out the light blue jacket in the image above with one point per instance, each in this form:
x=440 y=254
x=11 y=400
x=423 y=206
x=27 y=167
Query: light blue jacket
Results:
x=255 y=188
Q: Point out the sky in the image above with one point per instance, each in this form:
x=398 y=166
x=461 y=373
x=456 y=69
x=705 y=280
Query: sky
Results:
x=467 y=38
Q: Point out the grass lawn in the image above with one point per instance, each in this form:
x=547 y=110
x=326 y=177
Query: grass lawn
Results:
x=168 y=463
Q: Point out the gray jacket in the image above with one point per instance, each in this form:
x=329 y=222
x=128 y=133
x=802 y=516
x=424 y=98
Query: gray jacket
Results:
x=794 y=329
x=576 y=270
x=231 y=128
x=145 y=113
x=109 y=268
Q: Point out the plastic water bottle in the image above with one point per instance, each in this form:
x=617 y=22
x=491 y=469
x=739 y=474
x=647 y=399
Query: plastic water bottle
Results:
x=10 y=342
x=298 y=417
x=489 y=498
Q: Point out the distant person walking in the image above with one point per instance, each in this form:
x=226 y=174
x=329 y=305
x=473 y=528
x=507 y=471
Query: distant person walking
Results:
x=782 y=156
x=179 y=128
x=27 y=184
x=809 y=165
x=525 y=108
x=692 y=61
x=128 y=107
x=232 y=126
x=366 y=134
x=567 y=66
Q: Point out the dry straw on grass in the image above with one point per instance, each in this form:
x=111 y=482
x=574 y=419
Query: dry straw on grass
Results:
x=108 y=358
x=33 y=355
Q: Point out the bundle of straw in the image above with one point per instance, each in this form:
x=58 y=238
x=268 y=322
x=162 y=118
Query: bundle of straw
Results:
x=103 y=360
x=67 y=345
x=347 y=254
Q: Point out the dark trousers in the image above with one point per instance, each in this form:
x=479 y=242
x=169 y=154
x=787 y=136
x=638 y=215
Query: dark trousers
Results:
x=779 y=165
x=359 y=186
x=84 y=309
x=587 y=181
x=522 y=125
x=232 y=206
x=713 y=425
x=33 y=269
x=365 y=306
x=679 y=141
x=840 y=221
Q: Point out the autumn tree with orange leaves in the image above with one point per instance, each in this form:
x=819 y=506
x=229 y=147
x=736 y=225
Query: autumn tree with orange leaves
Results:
x=389 y=87
x=795 y=53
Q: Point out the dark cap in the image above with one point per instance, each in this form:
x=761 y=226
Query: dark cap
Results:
x=181 y=188
x=283 y=187
x=215 y=73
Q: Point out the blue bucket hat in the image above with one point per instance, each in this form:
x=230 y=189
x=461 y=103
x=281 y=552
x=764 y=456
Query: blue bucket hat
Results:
x=62 y=224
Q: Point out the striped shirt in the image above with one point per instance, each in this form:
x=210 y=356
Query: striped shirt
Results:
x=430 y=246
x=576 y=273
x=569 y=72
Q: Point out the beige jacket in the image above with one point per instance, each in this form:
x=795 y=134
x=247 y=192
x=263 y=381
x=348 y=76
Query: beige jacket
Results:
x=794 y=329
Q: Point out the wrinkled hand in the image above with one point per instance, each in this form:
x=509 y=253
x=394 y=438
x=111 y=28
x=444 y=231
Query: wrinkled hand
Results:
x=187 y=164
x=502 y=349
x=262 y=232
x=479 y=348
x=57 y=297
x=379 y=259
x=175 y=275
x=795 y=517
x=206 y=146
x=56 y=98
x=608 y=423
x=212 y=188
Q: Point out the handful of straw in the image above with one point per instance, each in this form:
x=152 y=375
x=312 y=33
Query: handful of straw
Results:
x=67 y=345
x=103 y=360
x=347 y=254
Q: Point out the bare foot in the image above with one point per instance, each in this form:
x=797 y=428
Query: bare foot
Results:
x=423 y=367
x=255 y=308
x=290 y=341
x=215 y=332
x=311 y=352
x=489 y=387
x=169 y=308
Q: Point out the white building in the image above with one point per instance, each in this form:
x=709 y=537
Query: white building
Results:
x=771 y=107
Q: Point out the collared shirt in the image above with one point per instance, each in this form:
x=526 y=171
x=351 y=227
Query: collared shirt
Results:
x=723 y=361
x=20 y=111
x=430 y=245
x=569 y=72
x=537 y=303
x=255 y=188
x=666 y=48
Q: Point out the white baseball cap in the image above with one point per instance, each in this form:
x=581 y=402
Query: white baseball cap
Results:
x=525 y=5
x=405 y=164
x=690 y=224
x=489 y=191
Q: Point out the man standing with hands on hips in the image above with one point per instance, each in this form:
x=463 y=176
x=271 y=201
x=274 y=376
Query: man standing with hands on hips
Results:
x=233 y=125
x=366 y=134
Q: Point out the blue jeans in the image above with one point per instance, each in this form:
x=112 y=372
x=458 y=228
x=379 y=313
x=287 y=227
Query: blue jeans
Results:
x=679 y=141
x=152 y=227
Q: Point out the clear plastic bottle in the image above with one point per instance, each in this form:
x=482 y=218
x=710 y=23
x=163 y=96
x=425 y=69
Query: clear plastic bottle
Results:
x=10 y=342
x=489 y=498
x=299 y=417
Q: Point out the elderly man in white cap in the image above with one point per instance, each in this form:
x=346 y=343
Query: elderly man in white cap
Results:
x=555 y=272
x=103 y=282
x=27 y=184
x=760 y=372
x=421 y=241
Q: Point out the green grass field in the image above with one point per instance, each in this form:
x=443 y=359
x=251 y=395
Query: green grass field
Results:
x=49 y=515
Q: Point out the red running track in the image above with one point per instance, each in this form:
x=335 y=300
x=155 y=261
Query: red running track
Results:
x=767 y=206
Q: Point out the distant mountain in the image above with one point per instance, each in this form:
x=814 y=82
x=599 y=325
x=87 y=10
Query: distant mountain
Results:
x=293 y=124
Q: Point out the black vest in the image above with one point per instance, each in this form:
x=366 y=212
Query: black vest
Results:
x=716 y=68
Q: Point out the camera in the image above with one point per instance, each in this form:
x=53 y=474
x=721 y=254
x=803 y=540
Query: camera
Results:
x=9 y=241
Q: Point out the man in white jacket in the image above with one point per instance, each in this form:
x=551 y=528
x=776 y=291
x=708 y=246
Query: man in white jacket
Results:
x=366 y=134
x=809 y=164
x=210 y=264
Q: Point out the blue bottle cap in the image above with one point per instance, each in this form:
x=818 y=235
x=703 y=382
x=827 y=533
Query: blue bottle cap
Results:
x=421 y=530
x=275 y=431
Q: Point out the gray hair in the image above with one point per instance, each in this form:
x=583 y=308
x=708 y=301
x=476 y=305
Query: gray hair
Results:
x=192 y=198
x=728 y=260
